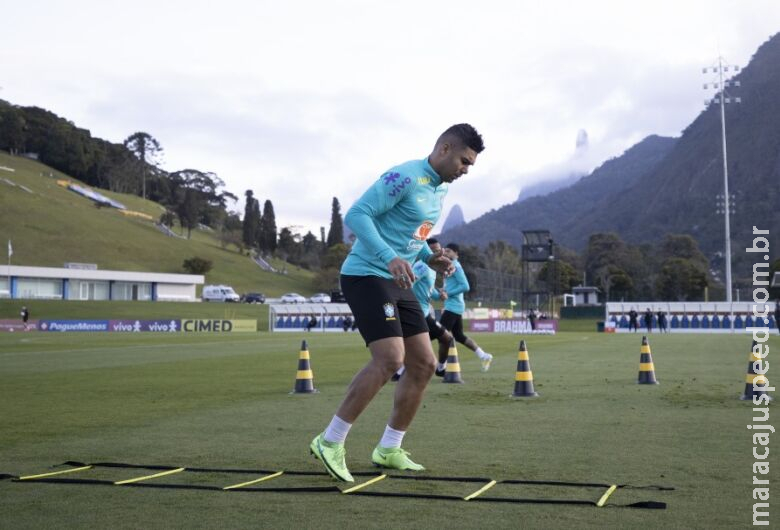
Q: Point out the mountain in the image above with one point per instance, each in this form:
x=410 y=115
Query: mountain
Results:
x=665 y=185
x=454 y=219
x=561 y=175
x=556 y=211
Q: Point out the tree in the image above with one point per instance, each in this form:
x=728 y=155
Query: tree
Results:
x=187 y=211
x=336 y=232
x=196 y=265
x=12 y=125
x=327 y=279
x=251 y=220
x=287 y=245
x=268 y=229
x=682 y=280
x=559 y=276
x=148 y=152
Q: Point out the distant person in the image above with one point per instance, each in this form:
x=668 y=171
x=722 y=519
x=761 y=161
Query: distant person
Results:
x=346 y=324
x=455 y=286
x=25 y=317
x=532 y=319
x=649 y=320
x=392 y=220
x=661 y=316
x=632 y=320
x=777 y=315
x=312 y=323
x=425 y=290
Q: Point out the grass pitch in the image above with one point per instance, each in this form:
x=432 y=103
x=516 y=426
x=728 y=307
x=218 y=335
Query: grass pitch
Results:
x=224 y=402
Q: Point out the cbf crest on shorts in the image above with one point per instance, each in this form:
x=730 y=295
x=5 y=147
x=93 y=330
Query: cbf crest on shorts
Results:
x=389 y=311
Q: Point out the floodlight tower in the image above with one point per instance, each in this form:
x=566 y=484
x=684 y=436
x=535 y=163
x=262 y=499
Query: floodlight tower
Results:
x=722 y=98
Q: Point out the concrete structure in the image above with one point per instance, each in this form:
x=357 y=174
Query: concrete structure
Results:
x=83 y=284
x=585 y=295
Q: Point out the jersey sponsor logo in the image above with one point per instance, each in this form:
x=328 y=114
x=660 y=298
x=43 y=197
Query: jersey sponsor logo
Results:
x=389 y=310
x=414 y=245
x=423 y=231
x=390 y=178
x=398 y=188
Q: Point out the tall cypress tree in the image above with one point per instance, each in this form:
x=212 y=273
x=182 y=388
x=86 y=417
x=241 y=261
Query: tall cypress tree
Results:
x=336 y=232
x=248 y=228
x=268 y=228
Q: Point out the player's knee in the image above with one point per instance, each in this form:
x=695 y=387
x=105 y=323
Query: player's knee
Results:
x=390 y=365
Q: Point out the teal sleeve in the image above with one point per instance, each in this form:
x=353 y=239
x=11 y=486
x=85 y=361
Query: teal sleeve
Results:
x=361 y=219
x=460 y=284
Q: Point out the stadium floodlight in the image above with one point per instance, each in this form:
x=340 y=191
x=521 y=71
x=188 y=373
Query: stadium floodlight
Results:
x=725 y=207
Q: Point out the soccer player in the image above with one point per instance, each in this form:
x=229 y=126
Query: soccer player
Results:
x=452 y=317
x=425 y=290
x=392 y=220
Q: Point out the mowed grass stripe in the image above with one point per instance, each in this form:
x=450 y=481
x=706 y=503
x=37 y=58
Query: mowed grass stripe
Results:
x=592 y=422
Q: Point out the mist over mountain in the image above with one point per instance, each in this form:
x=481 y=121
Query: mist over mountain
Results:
x=561 y=175
x=670 y=185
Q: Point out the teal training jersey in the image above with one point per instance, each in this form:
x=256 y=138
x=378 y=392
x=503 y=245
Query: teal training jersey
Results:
x=394 y=218
x=423 y=287
x=455 y=285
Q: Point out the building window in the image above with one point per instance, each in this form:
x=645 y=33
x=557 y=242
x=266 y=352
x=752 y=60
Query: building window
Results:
x=131 y=291
x=39 y=288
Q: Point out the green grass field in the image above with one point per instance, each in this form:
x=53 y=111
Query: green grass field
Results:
x=223 y=402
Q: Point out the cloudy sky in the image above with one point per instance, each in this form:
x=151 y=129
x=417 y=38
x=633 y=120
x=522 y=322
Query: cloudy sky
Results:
x=304 y=100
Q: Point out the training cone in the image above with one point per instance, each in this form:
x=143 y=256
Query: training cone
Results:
x=755 y=384
x=646 y=368
x=524 y=378
x=304 y=379
x=452 y=374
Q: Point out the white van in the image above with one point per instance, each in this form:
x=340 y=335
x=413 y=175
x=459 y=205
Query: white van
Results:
x=219 y=293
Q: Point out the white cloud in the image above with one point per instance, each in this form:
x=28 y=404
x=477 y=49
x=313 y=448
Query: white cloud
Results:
x=302 y=101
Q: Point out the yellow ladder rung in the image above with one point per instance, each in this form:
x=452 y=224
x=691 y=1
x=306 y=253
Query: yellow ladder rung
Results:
x=267 y=477
x=31 y=477
x=481 y=490
x=363 y=485
x=603 y=499
x=147 y=477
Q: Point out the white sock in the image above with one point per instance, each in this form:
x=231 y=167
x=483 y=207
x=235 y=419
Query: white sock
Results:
x=480 y=353
x=392 y=438
x=441 y=366
x=337 y=430
x=401 y=371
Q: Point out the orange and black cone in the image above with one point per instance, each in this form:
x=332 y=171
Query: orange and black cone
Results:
x=755 y=384
x=524 y=378
x=304 y=379
x=452 y=374
x=646 y=368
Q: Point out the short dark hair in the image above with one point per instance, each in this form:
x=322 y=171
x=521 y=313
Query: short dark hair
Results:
x=454 y=247
x=431 y=240
x=467 y=135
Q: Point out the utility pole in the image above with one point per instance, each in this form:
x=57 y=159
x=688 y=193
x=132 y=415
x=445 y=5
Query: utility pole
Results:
x=722 y=98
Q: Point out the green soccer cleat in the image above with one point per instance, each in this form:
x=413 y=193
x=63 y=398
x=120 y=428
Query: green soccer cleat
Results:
x=332 y=455
x=394 y=458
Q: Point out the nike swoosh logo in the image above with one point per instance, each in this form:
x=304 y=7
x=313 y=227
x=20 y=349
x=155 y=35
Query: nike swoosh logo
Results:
x=420 y=199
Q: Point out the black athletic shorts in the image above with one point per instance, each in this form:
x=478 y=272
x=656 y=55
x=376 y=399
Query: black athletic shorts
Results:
x=382 y=309
x=435 y=330
x=454 y=324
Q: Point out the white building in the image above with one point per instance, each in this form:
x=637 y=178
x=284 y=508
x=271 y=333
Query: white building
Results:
x=585 y=295
x=85 y=284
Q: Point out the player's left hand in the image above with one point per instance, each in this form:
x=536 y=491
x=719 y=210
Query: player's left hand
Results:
x=440 y=263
